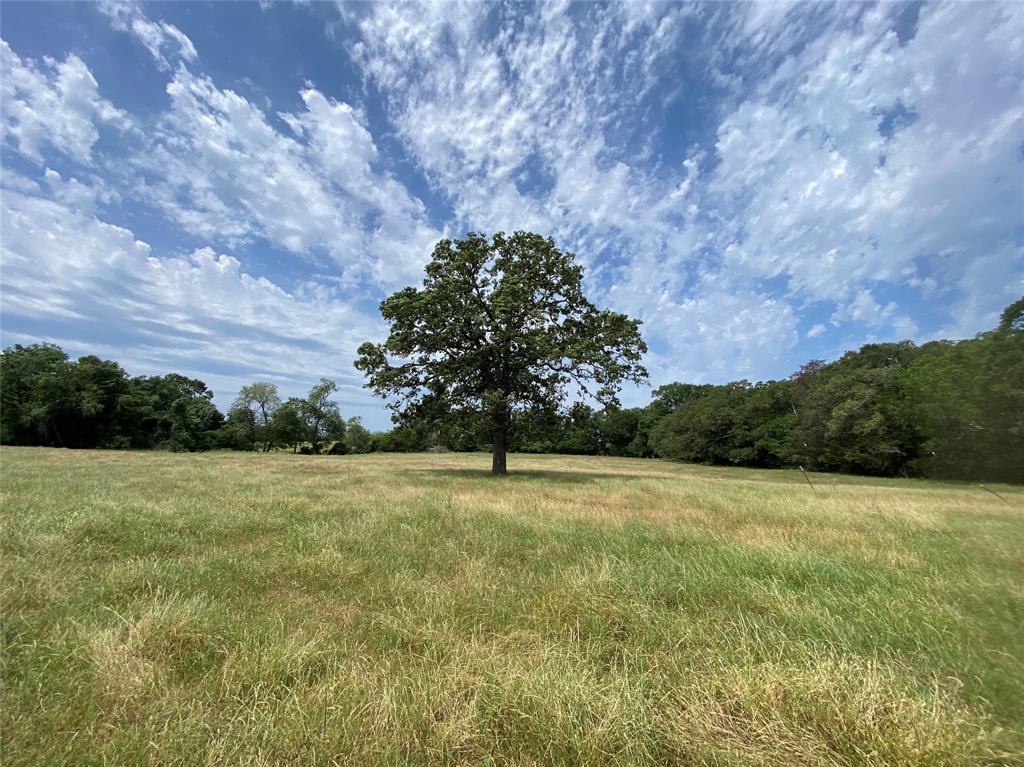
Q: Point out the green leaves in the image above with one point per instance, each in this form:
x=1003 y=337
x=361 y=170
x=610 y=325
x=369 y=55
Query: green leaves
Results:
x=50 y=400
x=500 y=324
x=255 y=405
x=321 y=415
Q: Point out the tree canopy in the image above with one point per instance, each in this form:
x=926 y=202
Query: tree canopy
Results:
x=320 y=415
x=501 y=324
x=49 y=400
x=950 y=409
x=255 y=405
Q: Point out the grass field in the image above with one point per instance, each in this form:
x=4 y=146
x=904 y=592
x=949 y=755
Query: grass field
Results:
x=409 y=609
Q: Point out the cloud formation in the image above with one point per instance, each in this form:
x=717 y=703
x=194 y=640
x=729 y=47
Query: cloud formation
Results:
x=846 y=159
x=171 y=312
x=52 y=103
x=165 y=42
x=218 y=168
x=757 y=182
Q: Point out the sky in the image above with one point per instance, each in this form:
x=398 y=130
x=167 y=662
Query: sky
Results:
x=228 y=190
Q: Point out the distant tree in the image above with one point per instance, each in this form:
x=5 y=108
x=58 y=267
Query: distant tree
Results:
x=357 y=437
x=536 y=430
x=194 y=423
x=735 y=424
x=102 y=416
x=462 y=431
x=36 y=390
x=617 y=431
x=176 y=412
x=674 y=396
x=762 y=428
x=500 y=324
x=321 y=416
x=433 y=425
x=700 y=429
x=46 y=399
x=261 y=400
x=239 y=427
x=850 y=413
x=579 y=431
x=406 y=437
x=1011 y=321
x=287 y=425
x=967 y=400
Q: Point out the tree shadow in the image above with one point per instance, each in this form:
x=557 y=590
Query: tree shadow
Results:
x=521 y=475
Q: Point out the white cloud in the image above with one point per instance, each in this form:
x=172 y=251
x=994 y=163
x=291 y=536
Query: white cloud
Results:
x=221 y=170
x=199 y=313
x=165 y=42
x=57 y=104
x=988 y=284
x=844 y=171
x=76 y=195
x=823 y=197
x=523 y=120
x=723 y=335
x=516 y=128
x=865 y=309
x=484 y=112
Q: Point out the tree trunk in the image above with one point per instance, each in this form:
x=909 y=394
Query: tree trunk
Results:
x=266 y=429
x=499 y=447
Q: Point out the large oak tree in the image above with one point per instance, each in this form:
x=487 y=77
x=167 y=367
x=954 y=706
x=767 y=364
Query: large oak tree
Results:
x=501 y=324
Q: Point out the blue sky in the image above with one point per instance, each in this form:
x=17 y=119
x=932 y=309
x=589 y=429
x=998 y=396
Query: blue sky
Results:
x=228 y=190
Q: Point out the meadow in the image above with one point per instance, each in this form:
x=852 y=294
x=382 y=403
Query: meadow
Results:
x=248 y=609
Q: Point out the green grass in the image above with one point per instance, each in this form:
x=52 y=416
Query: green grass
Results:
x=243 y=609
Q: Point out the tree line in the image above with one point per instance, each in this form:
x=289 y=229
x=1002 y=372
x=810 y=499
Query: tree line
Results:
x=500 y=331
x=944 y=409
x=48 y=399
x=952 y=409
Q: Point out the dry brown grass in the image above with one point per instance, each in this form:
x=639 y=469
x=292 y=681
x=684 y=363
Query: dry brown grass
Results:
x=410 y=609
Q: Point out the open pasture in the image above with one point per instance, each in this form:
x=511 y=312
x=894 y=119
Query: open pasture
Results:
x=246 y=609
